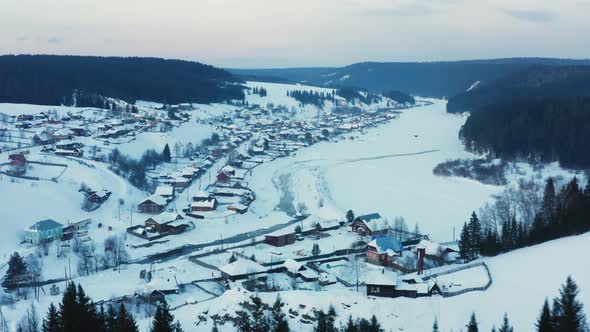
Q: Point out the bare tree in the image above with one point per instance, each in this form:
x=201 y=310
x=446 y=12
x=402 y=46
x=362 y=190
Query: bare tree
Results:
x=30 y=321
x=115 y=252
x=35 y=268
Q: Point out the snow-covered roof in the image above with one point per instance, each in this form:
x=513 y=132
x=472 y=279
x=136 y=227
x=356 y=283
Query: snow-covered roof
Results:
x=44 y=225
x=374 y=222
x=293 y=266
x=433 y=249
x=242 y=266
x=201 y=194
x=165 y=217
x=381 y=277
x=164 y=191
x=209 y=203
x=386 y=244
x=237 y=206
x=157 y=199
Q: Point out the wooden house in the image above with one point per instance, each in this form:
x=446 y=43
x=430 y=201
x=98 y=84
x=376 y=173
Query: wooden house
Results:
x=370 y=224
x=383 y=250
x=152 y=204
x=280 y=238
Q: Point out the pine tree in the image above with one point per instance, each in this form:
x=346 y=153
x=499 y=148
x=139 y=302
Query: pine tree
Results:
x=69 y=310
x=110 y=319
x=349 y=216
x=259 y=321
x=506 y=325
x=280 y=323
x=435 y=325
x=17 y=272
x=545 y=320
x=375 y=326
x=163 y=320
x=315 y=249
x=52 y=322
x=464 y=242
x=243 y=322
x=472 y=325
x=474 y=236
x=124 y=321
x=549 y=201
x=350 y=325
x=568 y=310
x=86 y=311
x=166 y=156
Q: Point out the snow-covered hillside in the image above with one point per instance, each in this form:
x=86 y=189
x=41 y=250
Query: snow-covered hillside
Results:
x=521 y=281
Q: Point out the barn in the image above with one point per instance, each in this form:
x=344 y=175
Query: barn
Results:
x=280 y=238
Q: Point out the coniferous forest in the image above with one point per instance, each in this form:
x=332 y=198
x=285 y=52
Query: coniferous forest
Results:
x=540 y=114
x=53 y=80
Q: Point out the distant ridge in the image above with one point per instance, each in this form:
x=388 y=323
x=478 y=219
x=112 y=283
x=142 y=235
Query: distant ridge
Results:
x=52 y=79
x=429 y=79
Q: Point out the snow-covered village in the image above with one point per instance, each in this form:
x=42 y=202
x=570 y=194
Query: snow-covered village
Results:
x=266 y=193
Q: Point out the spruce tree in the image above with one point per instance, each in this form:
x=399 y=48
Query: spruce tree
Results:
x=472 y=325
x=17 y=272
x=506 y=325
x=375 y=326
x=69 y=311
x=569 y=313
x=549 y=201
x=435 y=325
x=259 y=321
x=110 y=319
x=243 y=322
x=124 y=321
x=464 y=248
x=350 y=325
x=52 y=322
x=349 y=216
x=545 y=320
x=163 y=320
x=280 y=323
x=474 y=236
x=166 y=156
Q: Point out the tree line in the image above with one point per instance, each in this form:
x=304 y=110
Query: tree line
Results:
x=518 y=219
x=77 y=312
x=316 y=98
x=51 y=80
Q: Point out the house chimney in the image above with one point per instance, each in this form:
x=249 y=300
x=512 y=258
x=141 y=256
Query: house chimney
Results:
x=421 y=252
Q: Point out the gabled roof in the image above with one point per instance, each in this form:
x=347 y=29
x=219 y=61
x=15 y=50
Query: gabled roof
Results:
x=293 y=266
x=157 y=199
x=164 y=191
x=381 y=277
x=386 y=244
x=165 y=217
x=242 y=266
x=44 y=225
x=370 y=216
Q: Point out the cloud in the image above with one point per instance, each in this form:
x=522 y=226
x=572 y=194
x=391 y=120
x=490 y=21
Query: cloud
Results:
x=535 y=16
x=414 y=9
x=54 y=40
x=22 y=38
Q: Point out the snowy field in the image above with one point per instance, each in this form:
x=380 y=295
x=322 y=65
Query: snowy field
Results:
x=522 y=280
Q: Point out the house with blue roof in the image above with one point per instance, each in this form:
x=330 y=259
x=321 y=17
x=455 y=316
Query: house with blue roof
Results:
x=44 y=231
x=370 y=224
x=383 y=250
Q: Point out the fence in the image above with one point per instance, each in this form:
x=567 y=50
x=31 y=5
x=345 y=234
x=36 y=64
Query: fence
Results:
x=461 y=268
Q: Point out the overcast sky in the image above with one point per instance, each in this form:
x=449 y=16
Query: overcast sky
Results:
x=281 y=33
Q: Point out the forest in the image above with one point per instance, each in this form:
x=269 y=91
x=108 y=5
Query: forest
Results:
x=52 y=80
x=541 y=114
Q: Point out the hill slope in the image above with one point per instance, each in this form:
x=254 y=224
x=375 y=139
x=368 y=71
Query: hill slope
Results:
x=51 y=80
x=431 y=79
x=541 y=113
